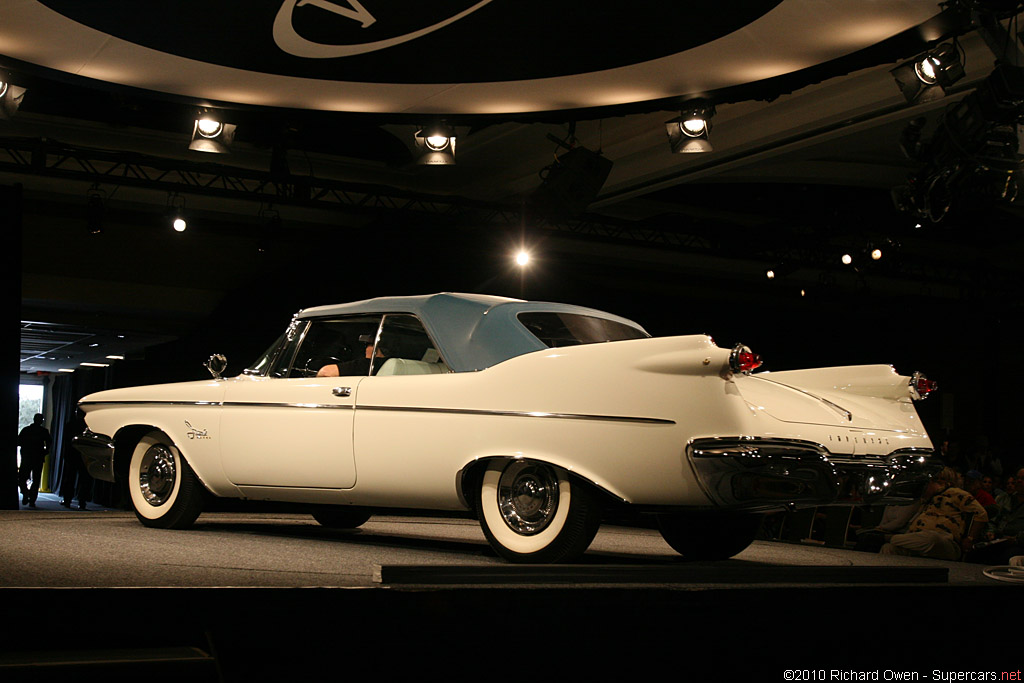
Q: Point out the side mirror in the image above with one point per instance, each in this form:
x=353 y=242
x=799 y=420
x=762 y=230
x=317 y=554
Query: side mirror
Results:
x=216 y=364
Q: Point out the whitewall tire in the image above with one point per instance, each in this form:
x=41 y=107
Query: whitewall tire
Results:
x=531 y=511
x=163 y=489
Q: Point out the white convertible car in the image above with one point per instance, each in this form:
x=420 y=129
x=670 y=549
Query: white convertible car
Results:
x=540 y=418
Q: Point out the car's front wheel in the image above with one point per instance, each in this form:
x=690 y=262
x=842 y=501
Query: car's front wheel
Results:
x=703 y=535
x=533 y=512
x=163 y=489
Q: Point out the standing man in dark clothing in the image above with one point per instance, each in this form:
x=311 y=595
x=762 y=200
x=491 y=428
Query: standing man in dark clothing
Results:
x=34 y=441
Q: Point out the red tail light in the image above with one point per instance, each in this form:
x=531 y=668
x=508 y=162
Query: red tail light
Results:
x=744 y=360
x=921 y=386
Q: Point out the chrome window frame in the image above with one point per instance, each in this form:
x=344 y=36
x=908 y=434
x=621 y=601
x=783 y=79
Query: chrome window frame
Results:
x=309 y=324
x=380 y=331
x=290 y=362
x=274 y=353
x=303 y=325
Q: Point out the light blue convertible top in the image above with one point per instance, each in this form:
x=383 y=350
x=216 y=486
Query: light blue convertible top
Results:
x=472 y=331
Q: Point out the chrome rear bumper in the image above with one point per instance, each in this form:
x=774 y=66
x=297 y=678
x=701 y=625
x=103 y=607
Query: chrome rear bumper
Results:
x=97 y=453
x=762 y=474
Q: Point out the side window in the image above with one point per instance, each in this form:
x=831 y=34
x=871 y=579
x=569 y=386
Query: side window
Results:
x=570 y=329
x=333 y=348
x=405 y=348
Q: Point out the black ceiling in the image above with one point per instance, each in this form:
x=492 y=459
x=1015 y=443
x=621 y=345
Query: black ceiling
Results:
x=323 y=203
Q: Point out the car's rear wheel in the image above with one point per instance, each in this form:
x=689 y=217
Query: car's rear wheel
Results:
x=341 y=517
x=709 y=535
x=163 y=489
x=533 y=512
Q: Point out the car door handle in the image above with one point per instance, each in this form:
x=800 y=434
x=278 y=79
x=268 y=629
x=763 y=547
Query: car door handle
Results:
x=342 y=391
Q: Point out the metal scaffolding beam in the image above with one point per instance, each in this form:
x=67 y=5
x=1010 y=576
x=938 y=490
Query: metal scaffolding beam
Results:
x=49 y=158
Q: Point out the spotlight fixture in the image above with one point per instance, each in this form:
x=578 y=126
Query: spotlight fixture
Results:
x=925 y=77
x=210 y=134
x=435 y=145
x=209 y=128
x=770 y=274
x=522 y=257
x=876 y=254
x=689 y=132
x=847 y=259
x=10 y=98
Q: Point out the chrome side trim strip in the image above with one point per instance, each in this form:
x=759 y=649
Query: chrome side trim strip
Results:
x=151 y=403
x=401 y=409
x=221 y=404
x=261 y=404
x=522 y=413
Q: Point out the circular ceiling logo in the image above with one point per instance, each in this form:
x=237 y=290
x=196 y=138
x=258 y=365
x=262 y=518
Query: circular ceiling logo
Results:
x=288 y=38
x=447 y=41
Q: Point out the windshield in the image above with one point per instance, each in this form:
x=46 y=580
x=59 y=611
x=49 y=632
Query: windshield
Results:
x=264 y=361
x=571 y=329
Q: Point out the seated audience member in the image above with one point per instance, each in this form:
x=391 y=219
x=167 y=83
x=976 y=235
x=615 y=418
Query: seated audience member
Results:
x=1004 y=498
x=972 y=484
x=895 y=520
x=989 y=484
x=1005 y=535
x=937 y=530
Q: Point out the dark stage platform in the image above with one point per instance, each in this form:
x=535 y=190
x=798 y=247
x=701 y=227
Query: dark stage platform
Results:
x=260 y=596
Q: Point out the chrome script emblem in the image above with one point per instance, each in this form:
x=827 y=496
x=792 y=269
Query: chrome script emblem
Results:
x=194 y=433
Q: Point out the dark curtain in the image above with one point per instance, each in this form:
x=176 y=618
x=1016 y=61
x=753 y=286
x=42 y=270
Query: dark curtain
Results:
x=63 y=401
x=66 y=477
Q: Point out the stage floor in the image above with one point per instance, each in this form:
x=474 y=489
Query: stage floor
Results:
x=255 y=596
x=105 y=548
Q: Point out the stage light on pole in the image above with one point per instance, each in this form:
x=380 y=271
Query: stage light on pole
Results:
x=688 y=133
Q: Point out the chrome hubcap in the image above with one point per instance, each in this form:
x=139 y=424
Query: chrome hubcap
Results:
x=157 y=474
x=527 y=496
